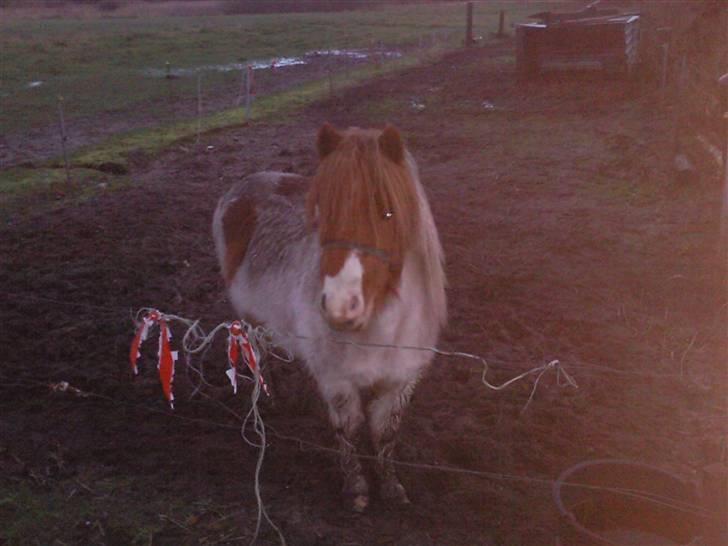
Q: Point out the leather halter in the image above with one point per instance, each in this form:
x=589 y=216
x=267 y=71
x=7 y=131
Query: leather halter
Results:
x=365 y=249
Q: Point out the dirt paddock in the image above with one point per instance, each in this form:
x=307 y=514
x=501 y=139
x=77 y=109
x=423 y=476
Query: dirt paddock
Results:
x=567 y=237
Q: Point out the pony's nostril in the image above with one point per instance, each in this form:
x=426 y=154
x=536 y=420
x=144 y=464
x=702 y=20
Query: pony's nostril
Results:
x=323 y=302
x=354 y=303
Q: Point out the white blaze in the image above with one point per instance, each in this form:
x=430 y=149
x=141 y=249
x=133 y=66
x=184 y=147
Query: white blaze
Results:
x=343 y=292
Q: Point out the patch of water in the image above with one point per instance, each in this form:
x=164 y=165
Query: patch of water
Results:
x=280 y=62
x=357 y=54
x=34 y=84
x=267 y=64
x=360 y=54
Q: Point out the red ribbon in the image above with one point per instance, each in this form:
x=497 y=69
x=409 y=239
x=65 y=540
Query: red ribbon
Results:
x=166 y=356
x=235 y=331
x=238 y=341
x=140 y=337
x=238 y=346
x=167 y=359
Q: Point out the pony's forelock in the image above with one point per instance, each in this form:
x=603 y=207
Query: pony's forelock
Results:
x=356 y=176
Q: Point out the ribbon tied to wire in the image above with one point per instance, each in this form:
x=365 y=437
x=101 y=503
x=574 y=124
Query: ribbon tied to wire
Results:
x=239 y=345
x=166 y=357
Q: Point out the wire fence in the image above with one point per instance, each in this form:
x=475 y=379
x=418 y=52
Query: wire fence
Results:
x=78 y=111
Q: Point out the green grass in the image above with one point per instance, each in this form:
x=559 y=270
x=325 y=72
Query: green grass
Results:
x=21 y=187
x=116 y=149
x=88 y=164
x=97 y=65
x=19 y=181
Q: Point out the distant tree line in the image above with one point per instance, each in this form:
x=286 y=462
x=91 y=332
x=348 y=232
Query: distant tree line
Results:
x=232 y=6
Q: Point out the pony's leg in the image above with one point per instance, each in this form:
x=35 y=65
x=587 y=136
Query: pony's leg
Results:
x=385 y=414
x=345 y=412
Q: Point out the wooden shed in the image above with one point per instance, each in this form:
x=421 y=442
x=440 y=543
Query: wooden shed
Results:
x=587 y=39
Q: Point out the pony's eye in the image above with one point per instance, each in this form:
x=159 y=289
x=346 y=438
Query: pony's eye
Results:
x=387 y=215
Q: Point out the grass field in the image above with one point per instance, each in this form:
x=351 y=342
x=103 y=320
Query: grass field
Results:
x=98 y=65
x=107 y=69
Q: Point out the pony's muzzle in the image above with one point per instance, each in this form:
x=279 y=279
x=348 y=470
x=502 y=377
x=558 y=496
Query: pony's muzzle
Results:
x=343 y=314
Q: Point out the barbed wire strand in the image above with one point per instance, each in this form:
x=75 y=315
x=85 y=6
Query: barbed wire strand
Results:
x=635 y=493
x=305 y=445
x=196 y=341
x=563 y=379
x=583 y=368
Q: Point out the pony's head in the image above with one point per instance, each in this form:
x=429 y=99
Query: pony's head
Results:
x=364 y=204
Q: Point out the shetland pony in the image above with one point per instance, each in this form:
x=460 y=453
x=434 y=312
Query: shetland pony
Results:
x=348 y=257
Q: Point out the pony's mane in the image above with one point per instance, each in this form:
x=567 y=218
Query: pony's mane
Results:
x=433 y=257
x=358 y=178
x=369 y=172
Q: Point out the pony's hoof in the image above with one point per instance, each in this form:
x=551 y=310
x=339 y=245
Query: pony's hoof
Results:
x=394 y=492
x=360 y=503
x=356 y=493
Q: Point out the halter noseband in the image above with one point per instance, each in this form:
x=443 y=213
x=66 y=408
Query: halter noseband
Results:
x=365 y=249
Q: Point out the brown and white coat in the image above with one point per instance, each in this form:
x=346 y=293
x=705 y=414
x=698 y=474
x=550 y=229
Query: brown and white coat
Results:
x=350 y=255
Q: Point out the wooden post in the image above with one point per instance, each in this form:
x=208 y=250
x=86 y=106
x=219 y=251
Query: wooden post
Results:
x=329 y=66
x=199 y=105
x=168 y=79
x=348 y=58
x=331 y=77
x=248 y=90
x=501 y=24
x=63 y=140
x=244 y=76
x=469 y=25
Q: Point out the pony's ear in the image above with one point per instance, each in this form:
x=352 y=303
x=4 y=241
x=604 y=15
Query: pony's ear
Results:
x=391 y=145
x=328 y=139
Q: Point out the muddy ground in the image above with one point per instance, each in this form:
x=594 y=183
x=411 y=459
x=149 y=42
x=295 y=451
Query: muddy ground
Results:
x=567 y=237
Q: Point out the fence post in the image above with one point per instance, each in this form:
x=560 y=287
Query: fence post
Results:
x=501 y=24
x=168 y=78
x=330 y=73
x=329 y=65
x=469 y=25
x=248 y=90
x=199 y=105
x=64 y=138
x=244 y=76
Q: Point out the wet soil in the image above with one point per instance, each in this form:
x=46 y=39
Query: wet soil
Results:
x=567 y=237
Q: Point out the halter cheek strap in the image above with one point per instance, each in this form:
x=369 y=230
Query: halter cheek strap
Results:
x=365 y=249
